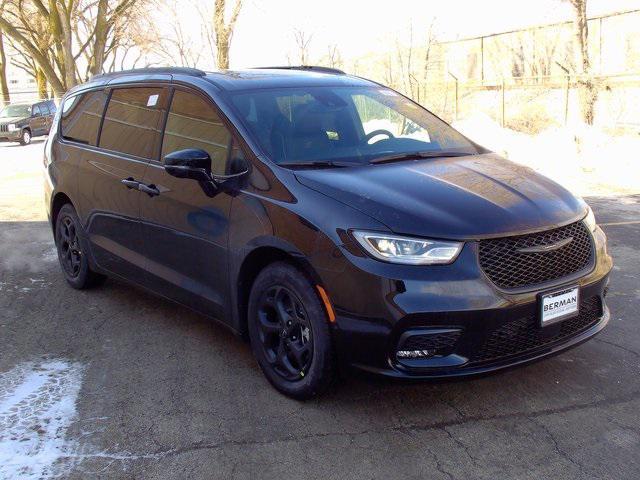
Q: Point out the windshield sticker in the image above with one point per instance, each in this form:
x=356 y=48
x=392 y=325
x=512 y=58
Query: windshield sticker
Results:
x=153 y=100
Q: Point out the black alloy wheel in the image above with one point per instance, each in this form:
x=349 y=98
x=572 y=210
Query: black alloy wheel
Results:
x=72 y=247
x=285 y=333
x=69 y=247
x=289 y=331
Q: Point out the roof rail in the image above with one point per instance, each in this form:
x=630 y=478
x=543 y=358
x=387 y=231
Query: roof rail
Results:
x=311 y=68
x=151 y=70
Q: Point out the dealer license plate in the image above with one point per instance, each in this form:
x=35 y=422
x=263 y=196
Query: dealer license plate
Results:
x=558 y=306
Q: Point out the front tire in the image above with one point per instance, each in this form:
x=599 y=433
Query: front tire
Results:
x=25 y=137
x=289 y=332
x=72 y=247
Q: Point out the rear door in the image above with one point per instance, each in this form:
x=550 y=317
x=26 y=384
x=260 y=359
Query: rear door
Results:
x=109 y=176
x=185 y=226
x=38 y=120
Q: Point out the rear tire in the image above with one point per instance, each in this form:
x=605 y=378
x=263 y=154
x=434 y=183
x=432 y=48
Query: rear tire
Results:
x=72 y=246
x=289 y=332
x=25 y=137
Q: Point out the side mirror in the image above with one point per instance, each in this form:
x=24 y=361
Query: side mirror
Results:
x=191 y=163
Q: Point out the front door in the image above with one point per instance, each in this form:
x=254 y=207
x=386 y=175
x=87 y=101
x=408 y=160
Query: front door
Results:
x=185 y=225
x=109 y=177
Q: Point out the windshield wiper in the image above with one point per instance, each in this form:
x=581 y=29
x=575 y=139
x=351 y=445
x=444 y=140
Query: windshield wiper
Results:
x=398 y=157
x=318 y=164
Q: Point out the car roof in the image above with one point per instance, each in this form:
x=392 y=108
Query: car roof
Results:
x=237 y=80
x=259 y=78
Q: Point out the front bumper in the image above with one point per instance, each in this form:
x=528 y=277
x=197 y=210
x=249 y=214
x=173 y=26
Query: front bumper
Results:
x=492 y=329
x=10 y=136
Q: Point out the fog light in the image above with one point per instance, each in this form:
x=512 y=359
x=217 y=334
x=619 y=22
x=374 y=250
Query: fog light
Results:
x=413 y=353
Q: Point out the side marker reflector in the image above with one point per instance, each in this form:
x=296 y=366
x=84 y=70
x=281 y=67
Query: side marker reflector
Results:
x=327 y=303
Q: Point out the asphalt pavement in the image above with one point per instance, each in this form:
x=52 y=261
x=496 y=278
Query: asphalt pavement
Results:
x=117 y=383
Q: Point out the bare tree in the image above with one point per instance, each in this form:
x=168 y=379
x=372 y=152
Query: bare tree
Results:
x=303 y=40
x=224 y=30
x=588 y=91
x=431 y=39
x=333 y=58
x=4 y=86
x=176 y=46
x=57 y=33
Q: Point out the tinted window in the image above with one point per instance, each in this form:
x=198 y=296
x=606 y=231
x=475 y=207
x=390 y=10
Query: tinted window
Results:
x=133 y=121
x=15 y=111
x=193 y=123
x=348 y=124
x=35 y=110
x=81 y=115
x=52 y=106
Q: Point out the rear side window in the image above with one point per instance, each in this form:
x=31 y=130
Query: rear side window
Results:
x=52 y=106
x=194 y=123
x=133 y=121
x=81 y=114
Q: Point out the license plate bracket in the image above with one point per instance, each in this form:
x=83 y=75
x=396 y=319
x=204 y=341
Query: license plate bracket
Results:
x=559 y=305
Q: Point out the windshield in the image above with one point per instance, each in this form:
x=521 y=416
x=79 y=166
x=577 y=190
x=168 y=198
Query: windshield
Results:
x=350 y=125
x=15 y=111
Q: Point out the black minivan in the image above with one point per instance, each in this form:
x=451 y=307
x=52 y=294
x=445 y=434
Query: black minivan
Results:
x=328 y=219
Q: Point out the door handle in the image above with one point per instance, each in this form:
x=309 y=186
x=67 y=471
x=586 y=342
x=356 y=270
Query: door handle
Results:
x=130 y=183
x=150 y=190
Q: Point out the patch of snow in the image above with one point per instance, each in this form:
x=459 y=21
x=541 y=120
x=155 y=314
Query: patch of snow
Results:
x=37 y=405
x=583 y=158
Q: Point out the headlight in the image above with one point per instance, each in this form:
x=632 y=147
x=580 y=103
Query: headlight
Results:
x=406 y=250
x=590 y=221
x=12 y=127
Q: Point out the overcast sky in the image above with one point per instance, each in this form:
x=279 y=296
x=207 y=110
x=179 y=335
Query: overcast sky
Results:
x=264 y=34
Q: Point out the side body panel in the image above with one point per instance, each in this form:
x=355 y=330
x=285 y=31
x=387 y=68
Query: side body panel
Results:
x=185 y=235
x=109 y=210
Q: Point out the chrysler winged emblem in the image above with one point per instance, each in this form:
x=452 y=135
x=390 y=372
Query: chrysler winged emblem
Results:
x=546 y=248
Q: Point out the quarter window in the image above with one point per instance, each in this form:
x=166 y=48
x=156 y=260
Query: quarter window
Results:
x=81 y=116
x=194 y=123
x=133 y=120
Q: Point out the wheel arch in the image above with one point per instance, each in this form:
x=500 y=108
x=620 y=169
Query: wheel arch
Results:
x=59 y=200
x=253 y=263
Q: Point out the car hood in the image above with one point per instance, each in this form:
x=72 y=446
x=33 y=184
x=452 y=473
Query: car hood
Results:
x=7 y=120
x=479 y=196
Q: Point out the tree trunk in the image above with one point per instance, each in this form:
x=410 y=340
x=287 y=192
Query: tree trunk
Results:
x=223 y=52
x=587 y=92
x=224 y=31
x=100 y=39
x=4 y=86
x=61 y=31
x=41 y=81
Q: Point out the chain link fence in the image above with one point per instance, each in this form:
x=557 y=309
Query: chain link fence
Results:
x=525 y=104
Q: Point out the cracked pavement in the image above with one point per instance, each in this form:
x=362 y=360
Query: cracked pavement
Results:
x=166 y=393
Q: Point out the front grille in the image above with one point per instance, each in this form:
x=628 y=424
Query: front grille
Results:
x=509 y=268
x=4 y=128
x=437 y=343
x=525 y=334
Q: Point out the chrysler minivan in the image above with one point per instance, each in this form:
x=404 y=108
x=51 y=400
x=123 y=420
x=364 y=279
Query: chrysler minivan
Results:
x=329 y=220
